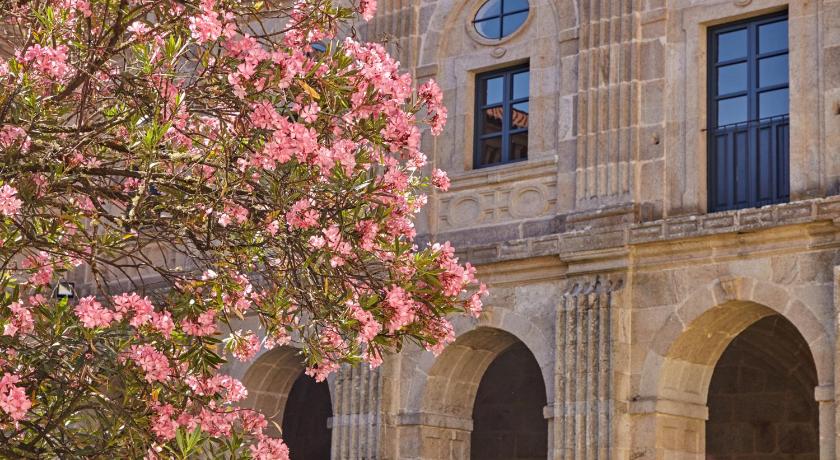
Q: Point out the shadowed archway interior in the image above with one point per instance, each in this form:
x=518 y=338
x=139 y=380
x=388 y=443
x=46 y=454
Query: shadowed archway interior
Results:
x=761 y=397
x=508 y=420
x=305 y=417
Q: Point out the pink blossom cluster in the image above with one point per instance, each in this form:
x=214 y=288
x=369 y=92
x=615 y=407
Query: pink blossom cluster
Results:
x=432 y=95
x=203 y=326
x=42 y=266
x=92 y=314
x=210 y=25
x=269 y=449
x=13 y=399
x=9 y=203
x=50 y=62
x=245 y=346
x=10 y=135
x=21 y=321
x=367 y=8
x=153 y=363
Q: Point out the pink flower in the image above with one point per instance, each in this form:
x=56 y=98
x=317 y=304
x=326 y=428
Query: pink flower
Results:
x=205 y=326
x=9 y=135
x=141 y=307
x=302 y=215
x=163 y=425
x=13 y=400
x=269 y=449
x=92 y=314
x=245 y=346
x=367 y=8
x=401 y=307
x=162 y=322
x=440 y=179
x=9 y=204
x=20 y=322
x=51 y=62
x=153 y=363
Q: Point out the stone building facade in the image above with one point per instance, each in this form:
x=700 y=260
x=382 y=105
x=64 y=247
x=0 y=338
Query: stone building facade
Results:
x=629 y=317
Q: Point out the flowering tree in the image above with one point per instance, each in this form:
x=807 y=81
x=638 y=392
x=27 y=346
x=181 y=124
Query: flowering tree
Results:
x=199 y=162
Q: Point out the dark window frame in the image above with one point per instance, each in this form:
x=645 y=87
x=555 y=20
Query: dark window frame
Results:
x=722 y=194
x=499 y=17
x=506 y=104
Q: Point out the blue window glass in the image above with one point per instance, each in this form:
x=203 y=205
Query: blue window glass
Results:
x=501 y=131
x=496 y=19
x=748 y=107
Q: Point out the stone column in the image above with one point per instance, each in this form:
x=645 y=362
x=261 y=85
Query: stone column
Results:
x=824 y=394
x=356 y=422
x=675 y=429
x=584 y=409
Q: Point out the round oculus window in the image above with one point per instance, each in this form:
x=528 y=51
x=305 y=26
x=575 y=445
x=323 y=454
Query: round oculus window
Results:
x=496 y=19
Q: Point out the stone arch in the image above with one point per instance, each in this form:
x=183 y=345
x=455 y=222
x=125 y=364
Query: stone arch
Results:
x=278 y=387
x=679 y=366
x=696 y=334
x=499 y=321
x=269 y=381
x=443 y=421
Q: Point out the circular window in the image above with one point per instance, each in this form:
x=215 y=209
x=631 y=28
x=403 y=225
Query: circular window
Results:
x=497 y=19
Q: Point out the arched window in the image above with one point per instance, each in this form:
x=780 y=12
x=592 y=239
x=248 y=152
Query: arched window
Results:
x=497 y=19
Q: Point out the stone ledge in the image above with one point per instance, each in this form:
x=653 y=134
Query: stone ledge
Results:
x=650 y=406
x=435 y=420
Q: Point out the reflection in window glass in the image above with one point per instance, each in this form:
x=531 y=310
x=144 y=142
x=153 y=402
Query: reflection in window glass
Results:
x=733 y=110
x=519 y=116
x=491 y=28
x=491 y=151
x=501 y=114
x=773 y=103
x=732 y=45
x=497 y=19
x=521 y=81
x=732 y=78
x=511 y=23
x=773 y=70
x=519 y=147
x=492 y=122
x=491 y=8
x=773 y=37
x=495 y=90
x=515 y=5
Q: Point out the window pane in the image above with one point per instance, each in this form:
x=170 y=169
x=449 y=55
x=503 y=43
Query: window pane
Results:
x=732 y=78
x=491 y=120
x=489 y=28
x=489 y=9
x=773 y=103
x=515 y=5
x=732 y=110
x=491 y=151
x=520 y=85
x=519 y=146
x=773 y=37
x=773 y=70
x=519 y=116
x=512 y=22
x=732 y=45
x=495 y=88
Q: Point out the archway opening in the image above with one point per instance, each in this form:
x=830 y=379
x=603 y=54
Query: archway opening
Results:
x=761 y=396
x=305 y=428
x=483 y=399
x=278 y=387
x=508 y=421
